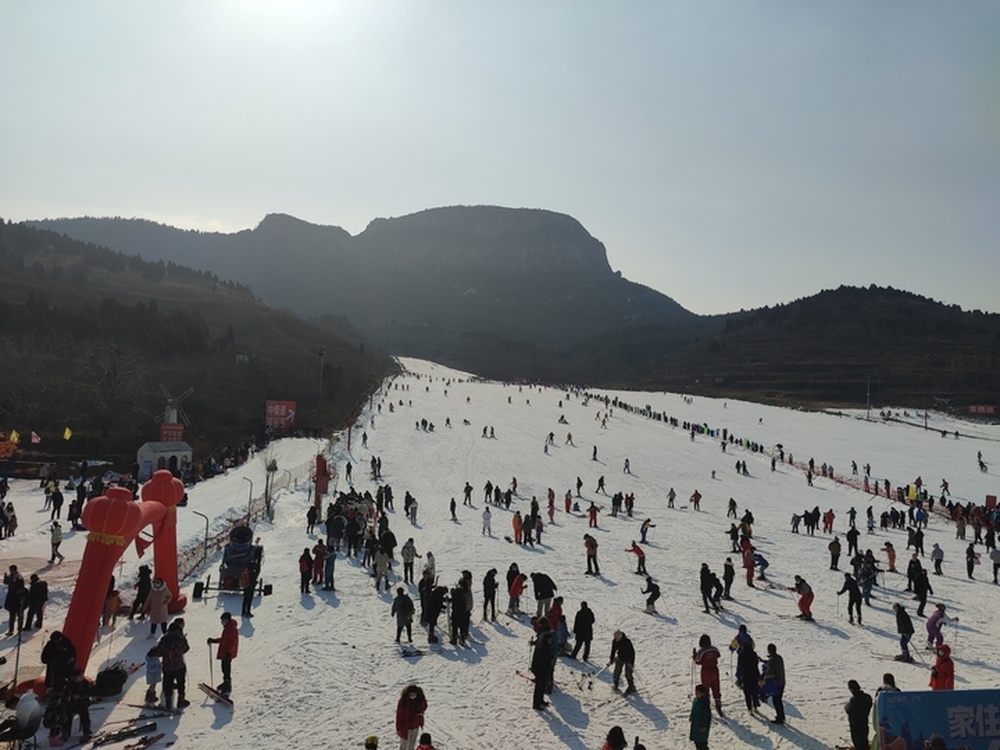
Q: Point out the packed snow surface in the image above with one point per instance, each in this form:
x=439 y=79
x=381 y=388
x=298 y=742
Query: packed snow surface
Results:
x=321 y=669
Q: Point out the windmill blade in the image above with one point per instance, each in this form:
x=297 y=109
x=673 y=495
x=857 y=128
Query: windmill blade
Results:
x=184 y=395
x=165 y=392
x=183 y=415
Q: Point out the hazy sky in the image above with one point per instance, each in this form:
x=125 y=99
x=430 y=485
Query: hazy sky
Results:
x=728 y=154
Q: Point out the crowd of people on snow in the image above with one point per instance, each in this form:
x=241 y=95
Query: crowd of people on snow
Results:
x=358 y=525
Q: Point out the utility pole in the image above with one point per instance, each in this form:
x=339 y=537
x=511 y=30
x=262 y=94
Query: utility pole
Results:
x=868 y=376
x=322 y=353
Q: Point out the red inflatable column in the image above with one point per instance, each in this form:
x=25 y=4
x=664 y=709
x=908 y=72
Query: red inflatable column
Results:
x=113 y=521
x=167 y=490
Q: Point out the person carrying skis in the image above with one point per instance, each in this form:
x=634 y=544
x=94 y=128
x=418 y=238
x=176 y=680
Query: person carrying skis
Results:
x=806 y=596
x=640 y=555
x=654 y=593
x=707 y=657
x=623 y=657
x=904 y=626
x=853 y=597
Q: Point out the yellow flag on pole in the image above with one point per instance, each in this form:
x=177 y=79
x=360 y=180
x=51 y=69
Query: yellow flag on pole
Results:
x=67 y=433
x=14 y=437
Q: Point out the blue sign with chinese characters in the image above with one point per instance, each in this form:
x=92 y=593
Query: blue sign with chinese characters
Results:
x=963 y=719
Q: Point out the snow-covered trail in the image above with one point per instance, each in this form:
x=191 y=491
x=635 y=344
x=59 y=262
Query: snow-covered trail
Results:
x=322 y=667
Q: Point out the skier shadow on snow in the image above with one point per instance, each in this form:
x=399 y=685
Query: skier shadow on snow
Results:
x=974 y=663
x=223 y=714
x=566 y=734
x=307 y=601
x=501 y=629
x=471 y=654
x=329 y=598
x=881 y=632
x=830 y=629
x=750 y=607
x=798 y=738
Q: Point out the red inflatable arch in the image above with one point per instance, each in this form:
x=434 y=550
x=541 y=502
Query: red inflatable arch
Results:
x=114 y=521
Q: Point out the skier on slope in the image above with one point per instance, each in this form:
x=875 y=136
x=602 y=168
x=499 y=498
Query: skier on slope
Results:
x=853 y=597
x=728 y=576
x=644 y=530
x=707 y=657
x=806 y=596
x=623 y=657
x=904 y=626
x=590 y=545
x=706 y=587
x=935 y=622
x=592 y=512
x=654 y=593
x=640 y=555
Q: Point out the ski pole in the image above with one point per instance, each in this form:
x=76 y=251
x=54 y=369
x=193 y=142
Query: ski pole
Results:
x=692 y=680
x=211 y=665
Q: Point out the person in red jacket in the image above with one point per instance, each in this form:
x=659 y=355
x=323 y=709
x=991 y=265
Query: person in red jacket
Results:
x=806 y=596
x=555 y=613
x=229 y=646
x=516 y=589
x=410 y=716
x=943 y=671
x=707 y=657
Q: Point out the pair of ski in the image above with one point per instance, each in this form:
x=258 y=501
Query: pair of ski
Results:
x=155 y=711
x=134 y=729
x=215 y=695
